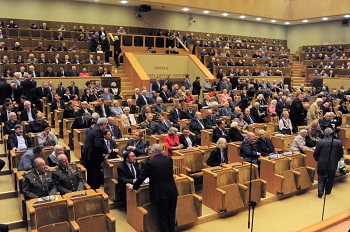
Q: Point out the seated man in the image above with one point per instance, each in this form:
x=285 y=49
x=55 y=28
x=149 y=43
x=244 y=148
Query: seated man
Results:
x=189 y=113
x=220 y=132
x=136 y=145
x=115 y=130
x=218 y=156
x=187 y=139
x=176 y=114
x=19 y=140
x=47 y=137
x=196 y=125
x=226 y=110
x=264 y=145
x=67 y=177
x=27 y=161
x=159 y=107
x=326 y=121
x=248 y=150
x=128 y=171
x=257 y=114
x=69 y=111
x=149 y=125
x=163 y=125
x=110 y=144
x=38 y=125
x=28 y=114
x=298 y=144
x=210 y=120
x=247 y=117
x=82 y=122
x=38 y=182
x=9 y=127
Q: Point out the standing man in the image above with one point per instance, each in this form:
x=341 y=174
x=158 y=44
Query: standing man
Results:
x=187 y=82
x=197 y=86
x=95 y=151
x=162 y=188
x=327 y=153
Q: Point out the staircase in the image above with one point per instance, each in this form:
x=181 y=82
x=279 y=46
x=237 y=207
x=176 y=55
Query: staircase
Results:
x=297 y=72
x=126 y=85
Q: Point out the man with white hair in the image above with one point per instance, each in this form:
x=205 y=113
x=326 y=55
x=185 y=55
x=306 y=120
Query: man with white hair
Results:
x=218 y=156
x=28 y=114
x=143 y=99
x=248 y=150
x=67 y=176
x=196 y=125
x=314 y=110
x=327 y=153
x=159 y=106
x=299 y=143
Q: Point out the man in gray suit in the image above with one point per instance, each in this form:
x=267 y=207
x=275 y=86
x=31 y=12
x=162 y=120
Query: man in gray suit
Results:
x=187 y=82
x=327 y=153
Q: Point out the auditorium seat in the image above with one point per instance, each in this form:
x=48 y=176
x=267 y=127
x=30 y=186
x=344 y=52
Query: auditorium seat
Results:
x=233 y=152
x=58 y=118
x=207 y=138
x=194 y=161
x=78 y=140
x=298 y=163
x=220 y=190
x=282 y=142
x=344 y=136
x=67 y=130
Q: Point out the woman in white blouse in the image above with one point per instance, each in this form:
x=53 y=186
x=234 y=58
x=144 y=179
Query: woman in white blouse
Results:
x=285 y=125
x=127 y=118
x=116 y=110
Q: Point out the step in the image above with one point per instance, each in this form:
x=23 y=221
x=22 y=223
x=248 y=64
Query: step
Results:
x=12 y=215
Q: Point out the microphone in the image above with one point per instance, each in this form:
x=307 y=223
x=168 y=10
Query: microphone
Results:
x=48 y=193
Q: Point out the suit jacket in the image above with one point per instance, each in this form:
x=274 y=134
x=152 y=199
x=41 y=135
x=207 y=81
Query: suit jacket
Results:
x=184 y=142
x=161 y=128
x=112 y=145
x=37 y=73
x=49 y=74
x=107 y=96
x=196 y=87
x=69 y=180
x=298 y=112
x=280 y=106
x=6 y=91
x=248 y=152
x=54 y=105
x=141 y=101
x=95 y=146
x=43 y=61
x=155 y=87
x=159 y=169
x=56 y=61
x=168 y=84
x=187 y=83
x=98 y=109
x=13 y=142
x=235 y=135
x=9 y=127
x=189 y=114
x=34 y=187
x=66 y=98
x=40 y=92
x=174 y=117
x=247 y=120
x=60 y=91
x=24 y=115
x=323 y=151
x=140 y=147
x=80 y=124
x=265 y=147
x=215 y=158
x=133 y=109
x=254 y=113
x=220 y=133
x=69 y=113
x=124 y=173
x=164 y=96
x=156 y=108
x=36 y=127
x=209 y=122
x=76 y=90
x=150 y=127
x=116 y=132
x=63 y=74
x=196 y=127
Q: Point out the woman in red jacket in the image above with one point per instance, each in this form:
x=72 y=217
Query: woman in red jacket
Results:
x=172 y=140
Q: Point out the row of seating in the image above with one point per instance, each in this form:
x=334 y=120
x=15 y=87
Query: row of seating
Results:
x=329 y=54
x=250 y=53
x=12 y=55
x=338 y=72
x=225 y=69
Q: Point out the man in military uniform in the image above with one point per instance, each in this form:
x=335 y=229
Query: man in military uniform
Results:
x=38 y=182
x=67 y=177
x=149 y=125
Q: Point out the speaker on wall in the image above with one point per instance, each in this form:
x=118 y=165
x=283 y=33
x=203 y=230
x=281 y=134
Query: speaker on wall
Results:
x=345 y=23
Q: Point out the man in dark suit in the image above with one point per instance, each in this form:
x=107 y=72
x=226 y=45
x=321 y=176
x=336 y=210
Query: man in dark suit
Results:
x=41 y=92
x=73 y=72
x=62 y=72
x=56 y=59
x=9 y=127
x=327 y=153
x=156 y=85
x=28 y=114
x=98 y=72
x=257 y=115
x=6 y=110
x=111 y=145
x=248 y=150
x=82 y=122
x=60 y=90
x=38 y=125
x=5 y=90
x=220 y=132
x=264 y=145
x=298 y=112
x=168 y=83
x=163 y=125
x=73 y=89
x=128 y=171
x=149 y=125
x=189 y=113
x=33 y=72
x=95 y=150
x=57 y=104
x=219 y=155
x=187 y=139
x=163 y=191
x=69 y=111
x=115 y=130
x=209 y=120
x=247 y=117
x=38 y=182
x=18 y=140
x=176 y=114
x=136 y=145
x=94 y=42
x=102 y=109
x=29 y=86
x=196 y=86
x=164 y=95
x=196 y=125
x=143 y=99
x=282 y=105
x=133 y=109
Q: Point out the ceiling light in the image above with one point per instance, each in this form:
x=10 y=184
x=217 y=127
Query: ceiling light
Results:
x=287 y=23
x=258 y=19
x=347 y=16
x=124 y=2
x=324 y=18
x=185 y=9
x=242 y=16
x=305 y=21
x=224 y=14
x=273 y=21
x=206 y=12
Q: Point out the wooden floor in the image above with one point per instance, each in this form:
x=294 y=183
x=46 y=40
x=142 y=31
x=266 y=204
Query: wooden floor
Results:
x=290 y=214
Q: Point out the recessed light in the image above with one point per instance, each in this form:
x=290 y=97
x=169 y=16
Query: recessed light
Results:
x=258 y=19
x=242 y=16
x=124 y=2
x=347 y=16
x=324 y=18
x=273 y=21
x=287 y=23
x=185 y=9
x=206 y=12
x=224 y=14
x=305 y=21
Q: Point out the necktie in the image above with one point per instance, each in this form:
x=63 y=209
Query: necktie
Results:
x=132 y=171
x=201 y=123
x=108 y=144
x=129 y=120
x=158 y=85
x=166 y=126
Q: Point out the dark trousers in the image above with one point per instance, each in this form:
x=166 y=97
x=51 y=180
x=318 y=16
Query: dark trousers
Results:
x=321 y=181
x=166 y=210
x=94 y=175
x=2 y=164
x=4 y=228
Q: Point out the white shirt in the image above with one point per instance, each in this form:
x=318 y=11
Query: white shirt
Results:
x=30 y=116
x=21 y=142
x=189 y=141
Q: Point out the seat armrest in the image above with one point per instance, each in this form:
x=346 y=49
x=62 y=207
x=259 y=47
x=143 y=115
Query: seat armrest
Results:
x=114 y=181
x=87 y=186
x=198 y=203
x=74 y=226
x=110 y=221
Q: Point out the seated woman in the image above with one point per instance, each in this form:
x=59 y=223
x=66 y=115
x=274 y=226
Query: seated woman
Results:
x=242 y=125
x=127 y=118
x=84 y=73
x=285 y=125
x=172 y=140
x=7 y=73
x=262 y=102
x=52 y=159
x=47 y=137
x=272 y=107
x=116 y=110
x=224 y=96
x=86 y=95
x=115 y=91
x=32 y=59
x=219 y=155
x=234 y=133
x=188 y=97
x=84 y=109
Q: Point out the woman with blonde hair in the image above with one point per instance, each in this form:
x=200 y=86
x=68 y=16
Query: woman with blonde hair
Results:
x=272 y=107
x=285 y=124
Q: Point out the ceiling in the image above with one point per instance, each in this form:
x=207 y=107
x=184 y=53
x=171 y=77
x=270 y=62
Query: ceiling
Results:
x=200 y=11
